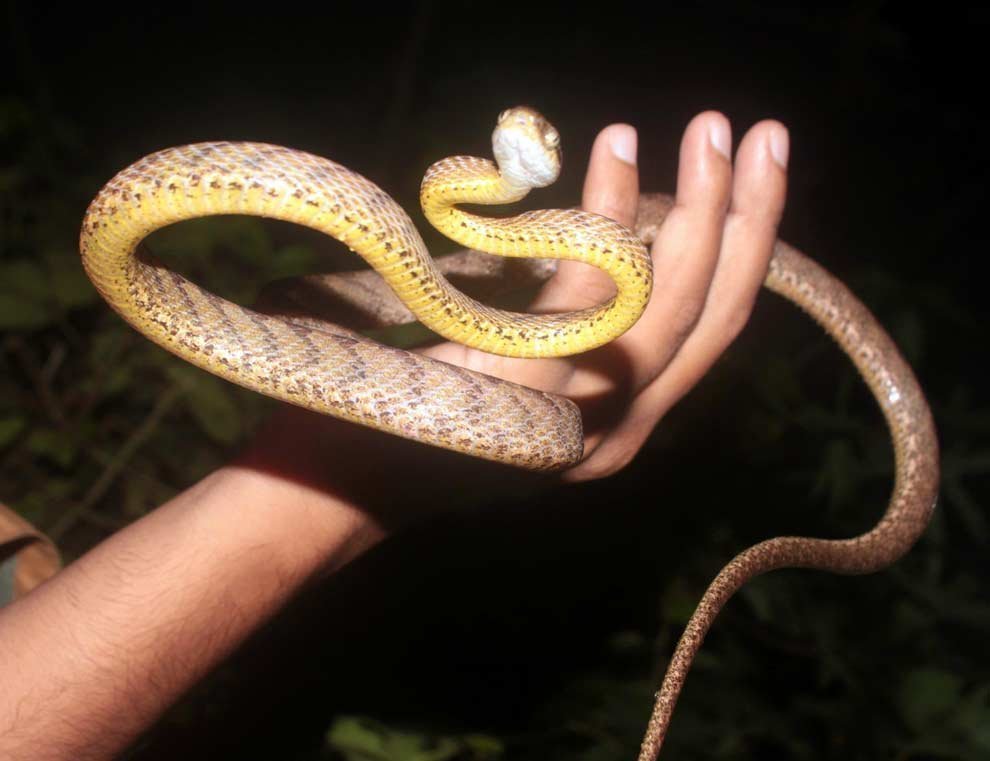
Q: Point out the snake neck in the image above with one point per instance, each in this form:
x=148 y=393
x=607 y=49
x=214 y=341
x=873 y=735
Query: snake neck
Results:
x=559 y=234
x=466 y=179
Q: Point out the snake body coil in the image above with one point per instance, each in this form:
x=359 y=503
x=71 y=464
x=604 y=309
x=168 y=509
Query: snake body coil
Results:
x=333 y=370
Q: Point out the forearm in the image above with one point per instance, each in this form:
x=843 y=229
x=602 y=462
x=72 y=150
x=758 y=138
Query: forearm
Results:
x=92 y=658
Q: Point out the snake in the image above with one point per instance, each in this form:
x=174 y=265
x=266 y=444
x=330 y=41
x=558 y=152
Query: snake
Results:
x=333 y=369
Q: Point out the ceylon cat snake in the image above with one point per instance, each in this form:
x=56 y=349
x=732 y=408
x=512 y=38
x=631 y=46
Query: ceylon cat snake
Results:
x=334 y=370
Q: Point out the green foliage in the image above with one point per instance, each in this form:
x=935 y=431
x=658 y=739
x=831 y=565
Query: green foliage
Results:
x=363 y=739
x=945 y=717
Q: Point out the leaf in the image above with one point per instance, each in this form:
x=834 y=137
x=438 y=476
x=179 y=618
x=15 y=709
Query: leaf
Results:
x=68 y=281
x=194 y=241
x=928 y=696
x=484 y=746
x=25 y=296
x=362 y=739
x=10 y=427
x=20 y=313
x=246 y=237
x=191 y=240
x=24 y=277
x=209 y=401
x=678 y=603
x=973 y=718
x=53 y=445
x=290 y=261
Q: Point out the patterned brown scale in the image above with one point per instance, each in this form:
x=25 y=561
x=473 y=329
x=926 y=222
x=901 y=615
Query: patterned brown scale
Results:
x=314 y=363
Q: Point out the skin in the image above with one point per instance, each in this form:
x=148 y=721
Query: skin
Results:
x=93 y=657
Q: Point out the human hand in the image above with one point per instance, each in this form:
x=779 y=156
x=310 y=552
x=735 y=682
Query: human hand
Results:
x=710 y=259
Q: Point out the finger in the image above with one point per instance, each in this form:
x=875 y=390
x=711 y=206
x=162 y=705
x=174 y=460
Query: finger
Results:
x=758 y=195
x=611 y=188
x=611 y=185
x=687 y=248
x=685 y=254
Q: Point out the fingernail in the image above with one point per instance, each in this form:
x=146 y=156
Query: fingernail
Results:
x=622 y=141
x=780 y=145
x=720 y=137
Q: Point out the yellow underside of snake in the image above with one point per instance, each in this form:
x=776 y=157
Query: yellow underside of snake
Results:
x=331 y=369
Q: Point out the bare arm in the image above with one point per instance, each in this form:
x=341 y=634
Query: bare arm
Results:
x=93 y=657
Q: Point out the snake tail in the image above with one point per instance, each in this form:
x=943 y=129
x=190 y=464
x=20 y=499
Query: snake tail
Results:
x=916 y=463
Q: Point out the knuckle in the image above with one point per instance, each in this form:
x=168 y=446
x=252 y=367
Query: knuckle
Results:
x=617 y=210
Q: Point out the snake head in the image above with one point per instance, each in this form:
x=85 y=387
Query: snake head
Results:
x=526 y=147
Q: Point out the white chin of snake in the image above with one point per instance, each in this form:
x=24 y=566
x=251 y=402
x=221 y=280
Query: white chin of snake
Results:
x=522 y=161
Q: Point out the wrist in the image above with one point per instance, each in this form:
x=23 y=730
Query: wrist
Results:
x=301 y=530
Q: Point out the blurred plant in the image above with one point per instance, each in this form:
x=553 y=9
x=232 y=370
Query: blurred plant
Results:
x=363 y=739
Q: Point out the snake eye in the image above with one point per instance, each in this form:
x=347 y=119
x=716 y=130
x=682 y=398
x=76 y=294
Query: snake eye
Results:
x=552 y=138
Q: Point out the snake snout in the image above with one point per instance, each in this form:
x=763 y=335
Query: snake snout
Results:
x=527 y=148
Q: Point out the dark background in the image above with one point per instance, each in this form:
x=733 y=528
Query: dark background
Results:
x=541 y=622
